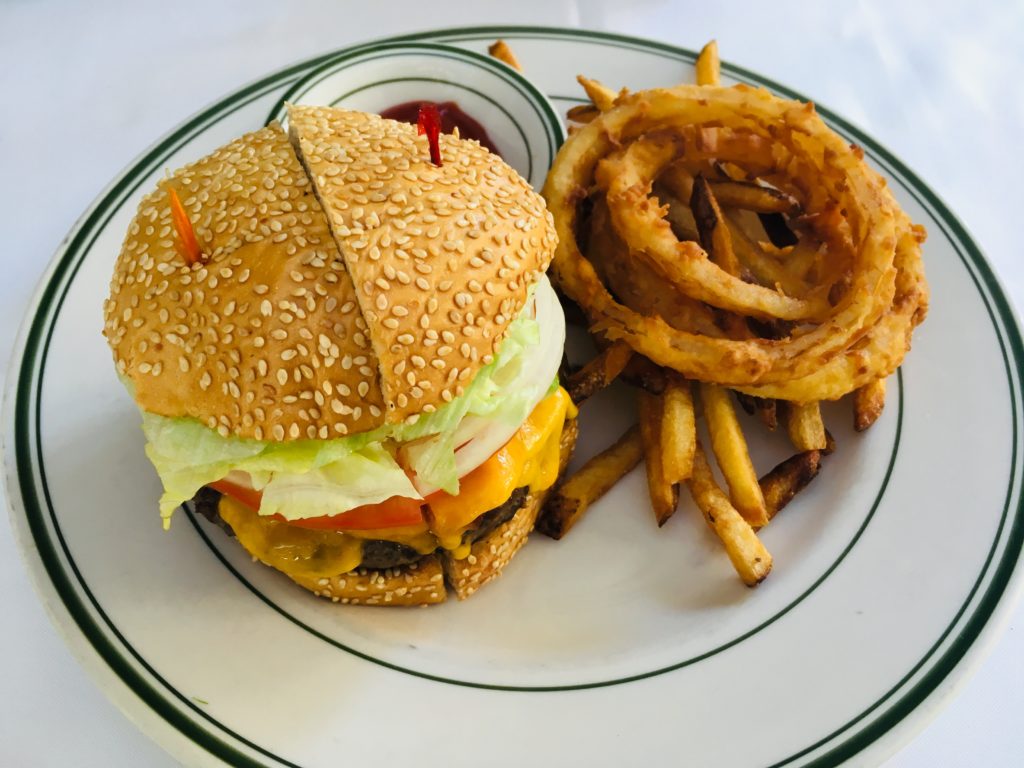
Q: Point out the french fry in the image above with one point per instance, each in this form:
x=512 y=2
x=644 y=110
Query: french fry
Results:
x=567 y=503
x=641 y=372
x=805 y=427
x=765 y=409
x=803 y=257
x=714 y=233
x=677 y=180
x=751 y=226
x=709 y=68
x=599 y=372
x=753 y=197
x=830 y=444
x=868 y=402
x=678 y=430
x=747 y=402
x=746 y=552
x=789 y=478
x=767 y=270
x=664 y=494
x=500 y=50
x=715 y=237
x=730 y=448
x=679 y=215
x=582 y=113
x=599 y=93
x=768 y=413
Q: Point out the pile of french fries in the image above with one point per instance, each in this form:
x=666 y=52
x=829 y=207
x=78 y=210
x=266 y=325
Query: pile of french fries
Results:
x=717 y=217
x=666 y=439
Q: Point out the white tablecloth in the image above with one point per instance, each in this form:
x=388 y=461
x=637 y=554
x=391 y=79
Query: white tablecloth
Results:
x=87 y=86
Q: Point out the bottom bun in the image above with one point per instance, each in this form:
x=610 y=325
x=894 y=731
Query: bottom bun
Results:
x=423 y=582
x=419 y=583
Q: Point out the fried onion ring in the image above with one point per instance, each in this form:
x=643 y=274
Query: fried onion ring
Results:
x=868 y=289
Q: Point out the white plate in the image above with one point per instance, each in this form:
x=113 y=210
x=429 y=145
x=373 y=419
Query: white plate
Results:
x=621 y=644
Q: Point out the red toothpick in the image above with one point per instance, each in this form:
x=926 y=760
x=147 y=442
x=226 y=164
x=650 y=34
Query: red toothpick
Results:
x=187 y=244
x=429 y=122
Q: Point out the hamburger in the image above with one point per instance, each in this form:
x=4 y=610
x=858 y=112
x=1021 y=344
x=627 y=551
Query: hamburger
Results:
x=346 y=355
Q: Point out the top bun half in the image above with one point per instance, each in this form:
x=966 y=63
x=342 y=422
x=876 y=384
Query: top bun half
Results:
x=301 y=325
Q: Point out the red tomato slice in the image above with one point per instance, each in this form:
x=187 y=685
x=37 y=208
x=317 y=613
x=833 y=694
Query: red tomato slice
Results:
x=395 y=512
x=251 y=498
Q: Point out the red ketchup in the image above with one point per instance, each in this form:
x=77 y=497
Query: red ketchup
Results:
x=452 y=117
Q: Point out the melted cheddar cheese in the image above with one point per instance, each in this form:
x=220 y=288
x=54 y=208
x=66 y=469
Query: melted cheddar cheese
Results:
x=308 y=552
x=531 y=458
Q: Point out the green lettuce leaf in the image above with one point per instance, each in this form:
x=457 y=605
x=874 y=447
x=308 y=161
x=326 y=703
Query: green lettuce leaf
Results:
x=325 y=476
x=187 y=455
x=344 y=484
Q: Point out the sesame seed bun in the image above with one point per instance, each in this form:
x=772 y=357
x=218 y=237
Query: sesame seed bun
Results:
x=265 y=340
x=270 y=338
x=442 y=257
x=419 y=583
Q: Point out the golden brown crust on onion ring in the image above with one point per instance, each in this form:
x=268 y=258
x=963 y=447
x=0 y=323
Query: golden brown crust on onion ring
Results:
x=871 y=270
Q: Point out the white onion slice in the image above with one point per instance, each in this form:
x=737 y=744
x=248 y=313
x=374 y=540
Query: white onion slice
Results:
x=480 y=438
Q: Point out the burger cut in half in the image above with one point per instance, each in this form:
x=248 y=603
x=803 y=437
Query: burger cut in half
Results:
x=347 y=355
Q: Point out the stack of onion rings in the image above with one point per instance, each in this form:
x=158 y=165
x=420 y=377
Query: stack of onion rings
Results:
x=851 y=326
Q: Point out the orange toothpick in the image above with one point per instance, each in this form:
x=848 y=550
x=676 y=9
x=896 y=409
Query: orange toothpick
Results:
x=187 y=244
